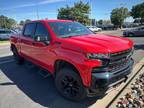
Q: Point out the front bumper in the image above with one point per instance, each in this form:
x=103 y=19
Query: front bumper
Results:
x=104 y=80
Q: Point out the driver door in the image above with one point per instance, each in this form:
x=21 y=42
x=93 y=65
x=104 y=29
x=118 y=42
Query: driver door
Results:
x=41 y=51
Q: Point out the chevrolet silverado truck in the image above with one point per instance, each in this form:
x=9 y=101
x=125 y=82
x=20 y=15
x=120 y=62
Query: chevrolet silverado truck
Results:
x=82 y=63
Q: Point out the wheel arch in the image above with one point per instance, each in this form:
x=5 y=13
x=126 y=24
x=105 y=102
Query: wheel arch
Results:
x=59 y=64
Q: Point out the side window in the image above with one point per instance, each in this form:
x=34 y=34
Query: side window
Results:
x=42 y=31
x=29 y=30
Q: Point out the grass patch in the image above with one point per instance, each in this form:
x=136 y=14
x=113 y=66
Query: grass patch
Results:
x=4 y=41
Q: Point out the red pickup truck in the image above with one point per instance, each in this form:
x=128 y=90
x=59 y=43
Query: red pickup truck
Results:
x=82 y=63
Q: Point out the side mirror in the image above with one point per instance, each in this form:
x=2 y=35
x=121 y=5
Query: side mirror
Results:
x=43 y=39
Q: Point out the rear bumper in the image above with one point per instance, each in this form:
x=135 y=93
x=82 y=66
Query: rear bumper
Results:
x=102 y=82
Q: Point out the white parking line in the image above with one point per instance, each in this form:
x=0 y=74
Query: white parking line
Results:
x=7 y=54
x=8 y=61
x=4 y=47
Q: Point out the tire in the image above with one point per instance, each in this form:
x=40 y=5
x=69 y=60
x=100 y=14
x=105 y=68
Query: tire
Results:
x=69 y=85
x=130 y=34
x=19 y=60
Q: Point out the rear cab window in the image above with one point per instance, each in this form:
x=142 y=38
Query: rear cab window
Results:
x=29 y=30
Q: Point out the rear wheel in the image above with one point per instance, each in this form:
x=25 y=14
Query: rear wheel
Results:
x=19 y=60
x=69 y=84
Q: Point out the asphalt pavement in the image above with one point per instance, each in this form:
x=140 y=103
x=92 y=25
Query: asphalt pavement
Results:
x=23 y=86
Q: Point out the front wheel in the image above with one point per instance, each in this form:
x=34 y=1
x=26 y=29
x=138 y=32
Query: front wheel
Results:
x=69 y=84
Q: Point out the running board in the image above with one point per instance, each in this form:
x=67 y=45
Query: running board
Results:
x=39 y=70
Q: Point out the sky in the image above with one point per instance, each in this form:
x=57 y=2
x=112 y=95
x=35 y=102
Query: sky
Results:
x=28 y=9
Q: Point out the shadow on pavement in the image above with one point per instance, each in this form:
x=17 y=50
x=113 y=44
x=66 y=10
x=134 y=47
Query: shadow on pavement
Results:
x=40 y=90
x=6 y=58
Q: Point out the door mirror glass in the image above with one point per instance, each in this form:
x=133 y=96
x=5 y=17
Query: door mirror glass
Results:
x=41 y=38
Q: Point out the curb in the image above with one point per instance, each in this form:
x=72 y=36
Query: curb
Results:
x=108 y=100
x=127 y=88
x=136 y=71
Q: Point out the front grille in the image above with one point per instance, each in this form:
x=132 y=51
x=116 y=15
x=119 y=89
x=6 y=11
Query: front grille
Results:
x=119 y=65
x=119 y=60
x=120 y=55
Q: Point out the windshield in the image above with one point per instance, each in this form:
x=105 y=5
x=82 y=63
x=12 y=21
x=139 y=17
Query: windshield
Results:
x=68 y=29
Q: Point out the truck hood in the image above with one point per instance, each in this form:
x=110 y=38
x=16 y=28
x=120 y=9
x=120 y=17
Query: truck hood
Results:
x=98 y=43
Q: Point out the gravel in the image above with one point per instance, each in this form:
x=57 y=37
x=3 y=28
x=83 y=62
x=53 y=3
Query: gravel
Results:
x=134 y=98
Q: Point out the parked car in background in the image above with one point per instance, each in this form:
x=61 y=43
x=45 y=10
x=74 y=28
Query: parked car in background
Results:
x=18 y=31
x=107 y=27
x=5 y=34
x=134 y=32
x=94 y=28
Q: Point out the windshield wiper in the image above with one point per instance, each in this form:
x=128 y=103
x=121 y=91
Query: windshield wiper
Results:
x=73 y=35
x=67 y=36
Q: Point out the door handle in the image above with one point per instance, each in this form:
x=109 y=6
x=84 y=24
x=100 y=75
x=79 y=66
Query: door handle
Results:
x=56 y=42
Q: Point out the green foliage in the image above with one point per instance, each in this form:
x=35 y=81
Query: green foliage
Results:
x=138 y=11
x=100 y=22
x=6 y=22
x=23 y=22
x=118 y=15
x=27 y=20
x=104 y=22
x=79 y=12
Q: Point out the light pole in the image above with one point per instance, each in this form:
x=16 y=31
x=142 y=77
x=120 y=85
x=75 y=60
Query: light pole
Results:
x=123 y=5
x=90 y=11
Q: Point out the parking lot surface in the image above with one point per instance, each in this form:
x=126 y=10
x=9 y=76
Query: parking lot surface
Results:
x=23 y=86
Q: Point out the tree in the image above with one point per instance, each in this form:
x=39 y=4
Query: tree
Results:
x=27 y=20
x=100 y=22
x=137 y=11
x=11 y=23
x=106 y=22
x=6 y=22
x=118 y=15
x=79 y=12
x=23 y=22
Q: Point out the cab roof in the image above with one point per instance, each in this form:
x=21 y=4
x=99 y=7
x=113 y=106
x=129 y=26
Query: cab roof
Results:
x=52 y=21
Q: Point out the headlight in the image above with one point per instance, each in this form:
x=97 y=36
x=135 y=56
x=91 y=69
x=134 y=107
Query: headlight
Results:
x=97 y=56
